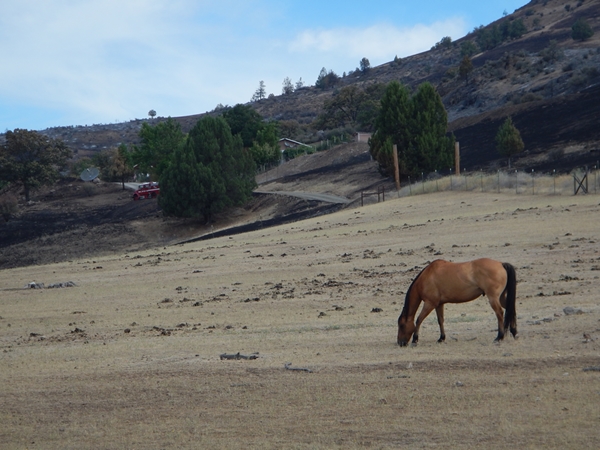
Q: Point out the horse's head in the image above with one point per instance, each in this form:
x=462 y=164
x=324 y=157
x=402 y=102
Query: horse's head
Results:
x=406 y=329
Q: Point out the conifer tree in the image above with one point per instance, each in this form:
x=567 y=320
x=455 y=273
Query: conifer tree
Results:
x=417 y=125
x=180 y=189
x=210 y=172
x=430 y=148
x=508 y=140
x=391 y=127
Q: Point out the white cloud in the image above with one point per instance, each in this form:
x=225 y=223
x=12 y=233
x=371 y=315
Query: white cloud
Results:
x=89 y=61
x=378 y=42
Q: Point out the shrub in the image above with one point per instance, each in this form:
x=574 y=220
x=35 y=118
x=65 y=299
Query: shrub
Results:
x=581 y=30
x=530 y=97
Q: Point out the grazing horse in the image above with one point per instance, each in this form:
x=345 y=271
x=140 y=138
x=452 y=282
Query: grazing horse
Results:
x=447 y=282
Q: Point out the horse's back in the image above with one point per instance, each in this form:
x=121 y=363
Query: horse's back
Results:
x=463 y=281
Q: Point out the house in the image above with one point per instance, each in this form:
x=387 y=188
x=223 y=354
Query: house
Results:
x=363 y=137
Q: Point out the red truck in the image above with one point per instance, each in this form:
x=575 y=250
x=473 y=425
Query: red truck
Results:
x=146 y=190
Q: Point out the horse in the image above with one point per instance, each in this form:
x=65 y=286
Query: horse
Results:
x=444 y=282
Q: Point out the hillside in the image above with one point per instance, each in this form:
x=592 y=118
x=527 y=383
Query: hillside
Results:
x=543 y=86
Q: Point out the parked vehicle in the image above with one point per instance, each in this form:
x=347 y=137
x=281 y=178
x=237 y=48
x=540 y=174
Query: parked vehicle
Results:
x=146 y=190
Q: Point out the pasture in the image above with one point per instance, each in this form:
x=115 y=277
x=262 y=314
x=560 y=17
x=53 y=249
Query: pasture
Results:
x=130 y=357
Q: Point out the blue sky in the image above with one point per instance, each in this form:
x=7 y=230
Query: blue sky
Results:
x=83 y=62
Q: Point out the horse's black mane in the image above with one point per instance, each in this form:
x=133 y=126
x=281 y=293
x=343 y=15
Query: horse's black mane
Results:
x=405 y=308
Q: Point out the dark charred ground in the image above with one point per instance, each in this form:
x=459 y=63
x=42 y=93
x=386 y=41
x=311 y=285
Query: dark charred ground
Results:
x=559 y=134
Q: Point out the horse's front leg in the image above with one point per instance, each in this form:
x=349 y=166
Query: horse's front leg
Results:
x=427 y=308
x=440 y=317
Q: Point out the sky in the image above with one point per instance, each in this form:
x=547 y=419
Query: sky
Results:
x=84 y=62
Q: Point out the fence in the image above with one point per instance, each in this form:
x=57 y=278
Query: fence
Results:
x=581 y=181
x=380 y=195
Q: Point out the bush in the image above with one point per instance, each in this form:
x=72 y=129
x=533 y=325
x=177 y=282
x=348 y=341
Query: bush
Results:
x=581 y=30
x=530 y=97
x=291 y=153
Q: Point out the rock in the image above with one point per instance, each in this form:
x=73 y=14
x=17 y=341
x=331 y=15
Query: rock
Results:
x=569 y=311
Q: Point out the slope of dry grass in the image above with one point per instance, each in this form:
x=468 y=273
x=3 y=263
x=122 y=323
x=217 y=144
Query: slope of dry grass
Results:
x=129 y=358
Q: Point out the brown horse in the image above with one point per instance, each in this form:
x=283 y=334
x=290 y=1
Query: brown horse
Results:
x=447 y=282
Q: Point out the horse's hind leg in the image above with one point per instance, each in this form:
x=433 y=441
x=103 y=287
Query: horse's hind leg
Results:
x=497 y=307
x=440 y=317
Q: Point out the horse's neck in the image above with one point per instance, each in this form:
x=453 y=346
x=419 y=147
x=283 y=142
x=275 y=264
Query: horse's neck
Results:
x=411 y=304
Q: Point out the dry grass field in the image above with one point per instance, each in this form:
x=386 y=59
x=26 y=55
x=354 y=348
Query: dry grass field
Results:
x=130 y=356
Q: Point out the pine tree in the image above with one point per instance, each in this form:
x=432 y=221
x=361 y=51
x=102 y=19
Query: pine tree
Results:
x=430 y=148
x=260 y=93
x=392 y=127
x=180 y=189
x=508 y=140
x=417 y=126
x=210 y=172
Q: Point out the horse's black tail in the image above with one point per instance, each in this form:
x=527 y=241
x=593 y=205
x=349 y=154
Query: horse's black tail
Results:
x=510 y=315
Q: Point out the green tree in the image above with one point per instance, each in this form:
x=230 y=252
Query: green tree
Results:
x=245 y=121
x=508 y=140
x=31 y=159
x=365 y=65
x=260 y=93
x=265 y=149
x=210 y=172
x=417 y=125
x=430 y=148
x=181 y=192
x=102 y=160
x=392 y=127
x=157 y=146
x=581 y=30
x=513 y=29
x=445 y=43
x=468 y=48
x=465 y=68
x=327 y=79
